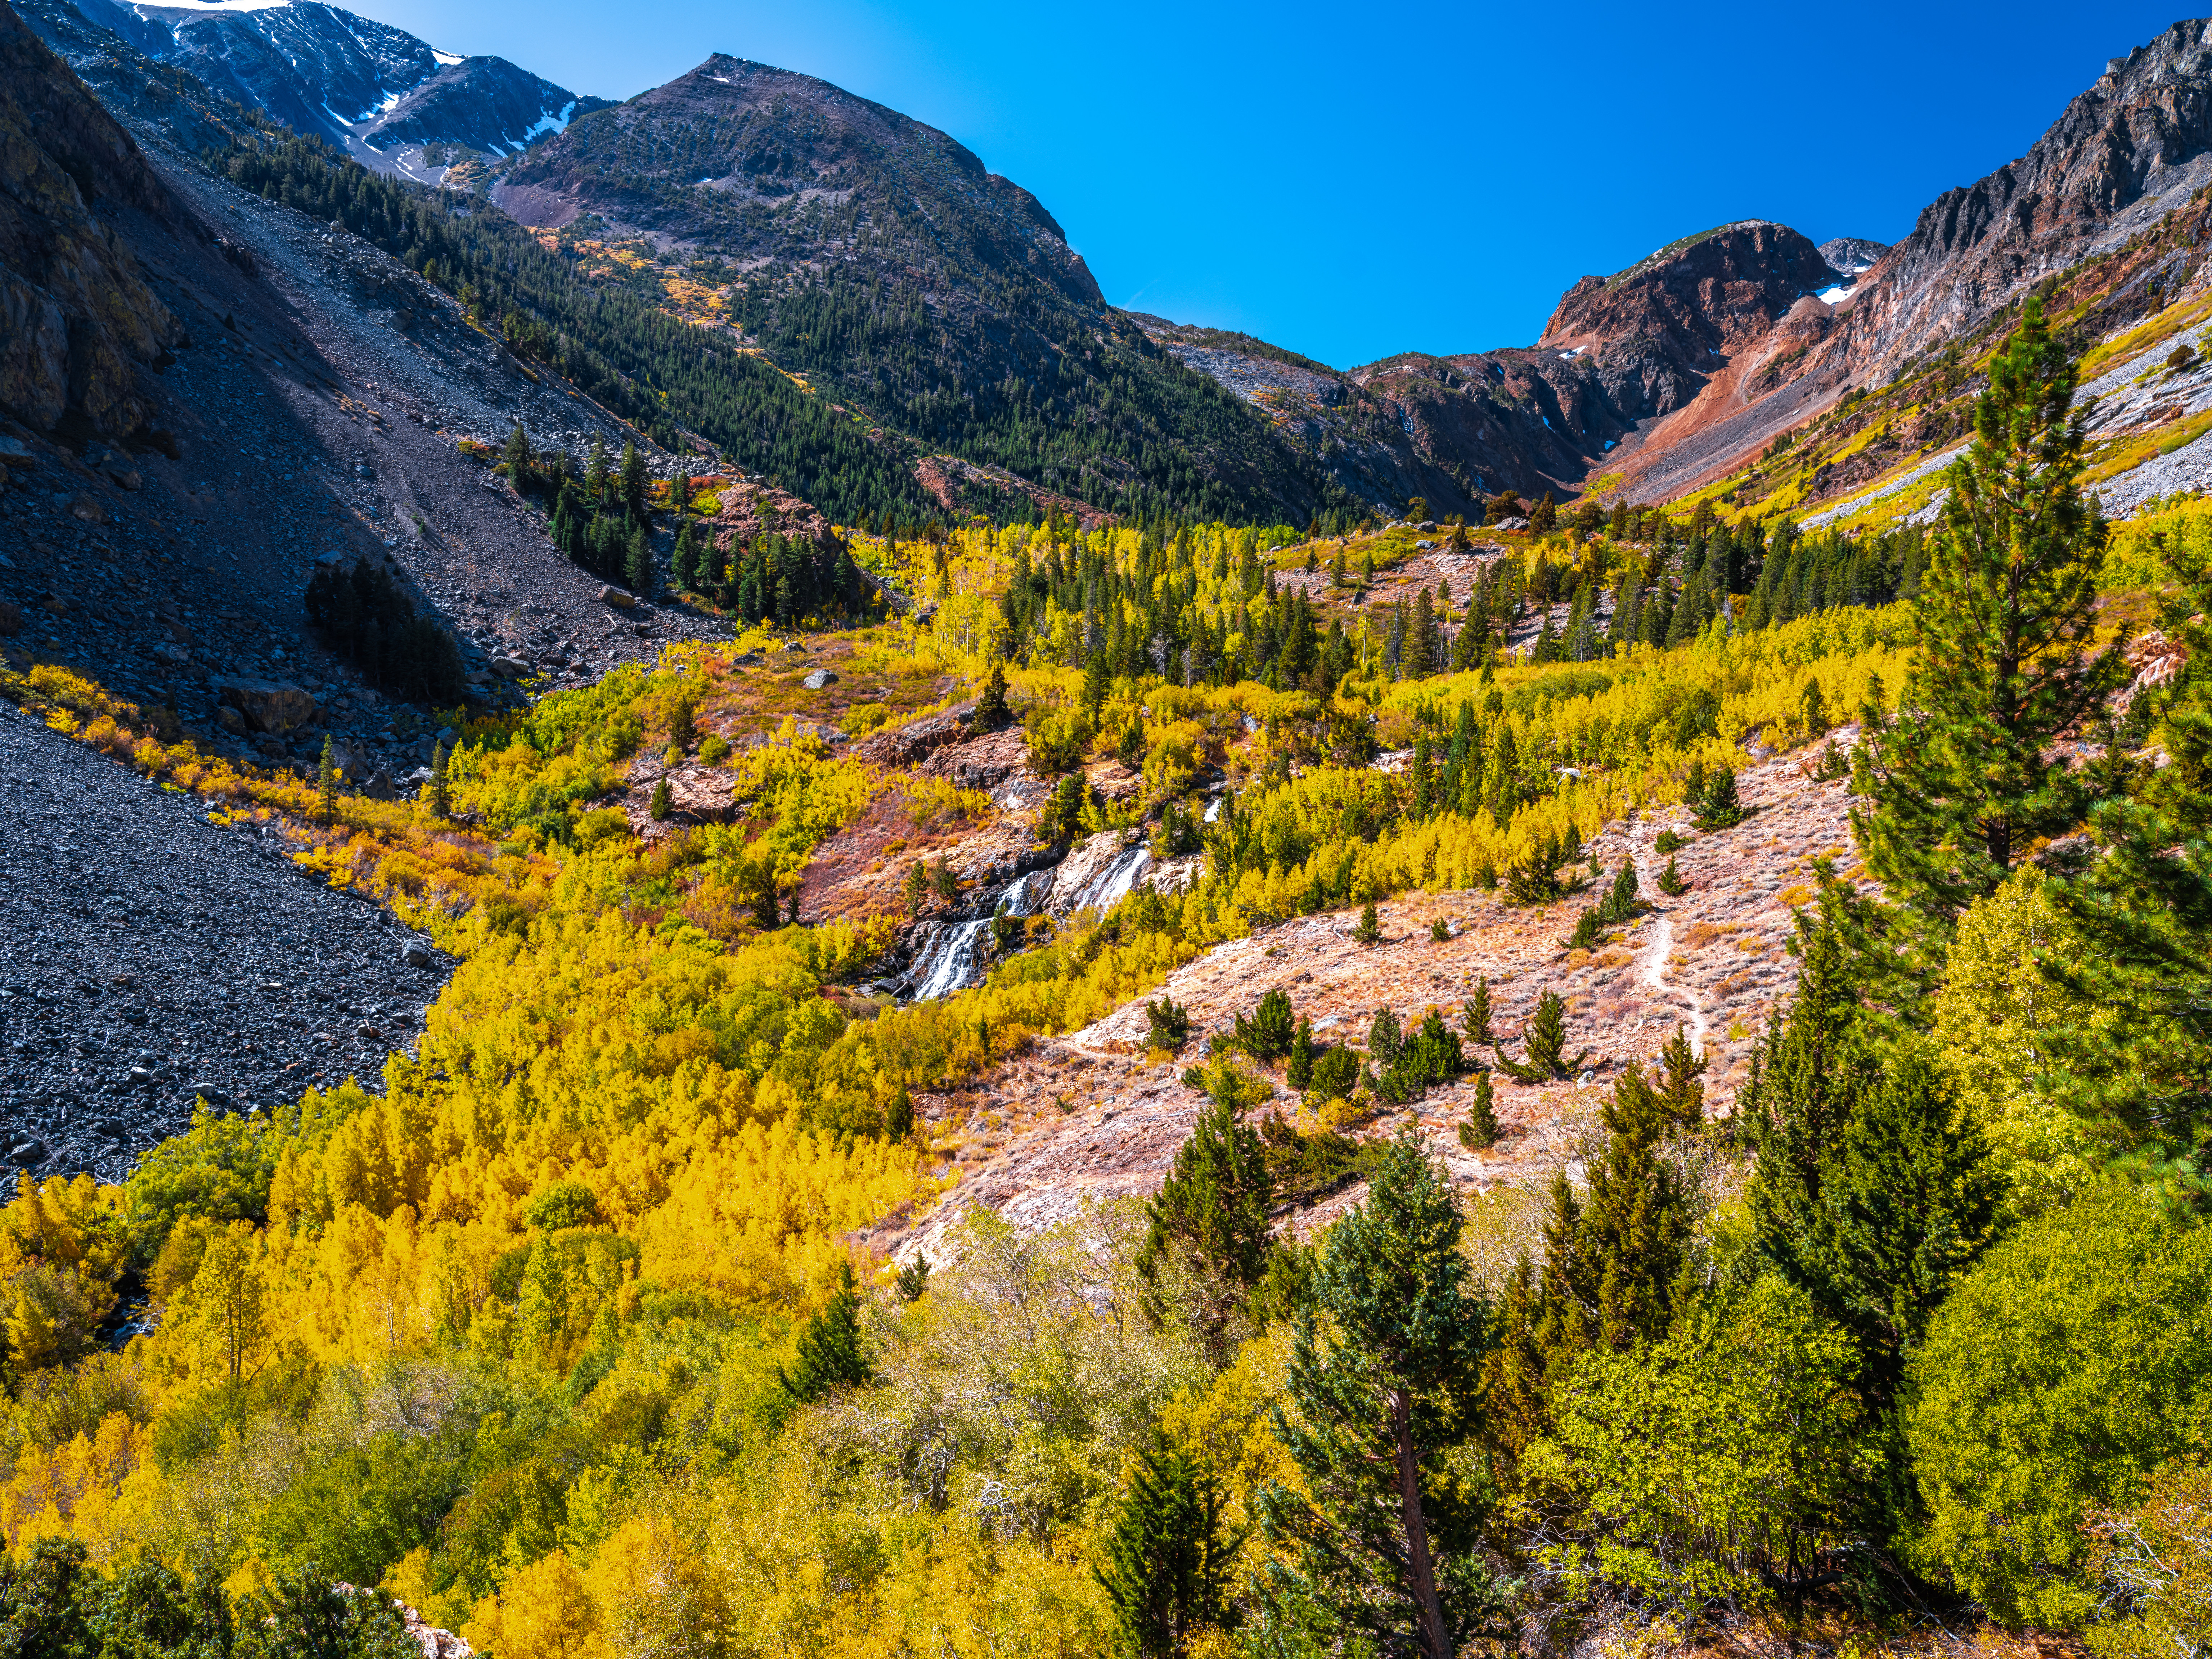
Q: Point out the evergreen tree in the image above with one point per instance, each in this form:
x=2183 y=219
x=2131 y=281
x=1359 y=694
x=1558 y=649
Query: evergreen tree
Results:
x=991 y=709
x=637 y=565
x=1622 y=898
x=634 y=486
x=679 y=491
x=1636 y=1227
x=1968 y=777
x=595 y=474
x=1298 y=1073
x=1546 y=1040
x=1481 y=1129
x=1213 y=1208
x=1720 y=809
x=683 y=559
x=1478 y=1012
x=658 y=809
x=517 y=458
x=1381 y=1382
x=440 y=802
x=1167 y=1560
x=1672 y=882
x=326 y=785
x=1909 y=1203
x=1369 y=929
x=2139 y=916
x=831 y=1352
x=1873 y=1191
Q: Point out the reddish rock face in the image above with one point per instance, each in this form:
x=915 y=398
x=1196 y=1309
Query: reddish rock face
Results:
x=1690 y=306
x=748 y=509
x=2137 y=143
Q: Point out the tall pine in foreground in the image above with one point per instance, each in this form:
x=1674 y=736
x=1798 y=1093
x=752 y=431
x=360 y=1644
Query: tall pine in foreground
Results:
x=1964 y=781
x=1872 y=1191
x=2140 y=954
x=1381 y=1391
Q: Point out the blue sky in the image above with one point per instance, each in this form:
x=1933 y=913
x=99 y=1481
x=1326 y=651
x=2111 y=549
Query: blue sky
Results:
x=1349 y=181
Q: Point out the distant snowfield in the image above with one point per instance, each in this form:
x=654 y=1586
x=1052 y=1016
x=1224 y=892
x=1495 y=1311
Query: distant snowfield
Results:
x=212 y=5
x=448 y=59
x=1836 y=295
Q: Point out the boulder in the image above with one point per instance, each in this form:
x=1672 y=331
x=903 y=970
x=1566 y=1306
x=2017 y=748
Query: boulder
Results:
x=414 y=953
x=819 y=679
x=617 y=598
x=230 y=720
x=267 y=705
x=510 y=668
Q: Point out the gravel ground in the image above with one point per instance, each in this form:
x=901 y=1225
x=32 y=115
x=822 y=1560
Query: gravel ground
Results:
x=146 y=955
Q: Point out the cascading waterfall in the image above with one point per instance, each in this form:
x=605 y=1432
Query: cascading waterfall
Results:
x=948 y=960
x=951 y=956
x=1108 y=887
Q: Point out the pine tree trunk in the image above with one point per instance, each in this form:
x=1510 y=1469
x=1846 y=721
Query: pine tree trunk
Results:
x=1418 y=1565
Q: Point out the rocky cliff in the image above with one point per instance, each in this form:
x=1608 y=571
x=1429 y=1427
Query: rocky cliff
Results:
x=368 y=87
x=2134 y=146
x=78 y=323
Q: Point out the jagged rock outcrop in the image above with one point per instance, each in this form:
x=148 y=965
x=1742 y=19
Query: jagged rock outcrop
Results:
x=2135 y=144
x=750 y=507
x=1658 y=330
x=365 y=86
x=1848 y=256
x=78 y=322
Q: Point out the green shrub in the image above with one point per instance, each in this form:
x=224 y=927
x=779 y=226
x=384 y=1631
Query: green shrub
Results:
x=2059 y=1374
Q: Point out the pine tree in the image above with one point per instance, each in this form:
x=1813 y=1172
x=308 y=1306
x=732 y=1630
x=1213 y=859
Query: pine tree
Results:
x=683 y=560
x=595 y=475
x=1167 y=1560
x=634 y=486
x=517 y=458
x=917 y=888
x=440 y=804
x=1636 y=1227
x=326 y=785
x=1622 y=898
x=1720 y=809
x=991 y=709
x=1477 y=1021
x=1909 y=1204
x=1369 y=929
x=679 y=491
x=1968 y=777
x=1672 y=882
x=1213 y=1207
x=1545 y=1038
x=1380 y=1394
x=830 y=1353
x=658 y=810
x=637 y=565
x=1298 y=1073
x=1481 y=1129
x=1384 y=1038
x=2140 y=913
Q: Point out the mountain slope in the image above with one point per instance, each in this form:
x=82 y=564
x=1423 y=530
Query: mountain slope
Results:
x=878 y=258
x=365 y=86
